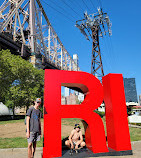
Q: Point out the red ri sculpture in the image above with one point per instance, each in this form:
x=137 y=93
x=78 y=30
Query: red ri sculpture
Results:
x=112 y=92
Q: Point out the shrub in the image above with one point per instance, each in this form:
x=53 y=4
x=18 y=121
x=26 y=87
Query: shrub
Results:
x=101 y=114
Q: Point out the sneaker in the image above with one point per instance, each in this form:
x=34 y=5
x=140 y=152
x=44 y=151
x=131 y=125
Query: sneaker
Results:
x=71 y=152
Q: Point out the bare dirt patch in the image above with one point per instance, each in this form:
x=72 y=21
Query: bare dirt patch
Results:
x=12 y=130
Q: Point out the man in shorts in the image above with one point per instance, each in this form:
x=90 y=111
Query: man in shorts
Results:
x=33 y=123
x=75 y=139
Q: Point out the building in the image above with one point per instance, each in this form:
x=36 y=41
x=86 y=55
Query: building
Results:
x=140 y=100
x=130 y=94
x=130 y=90
x=67 y=91
x=75 y=58
x=72 y=99
x=81 y=97
x=63 y=100
x=20 y=110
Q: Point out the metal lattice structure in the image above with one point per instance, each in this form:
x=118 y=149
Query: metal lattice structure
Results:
x=94 y=25
x=25 y=24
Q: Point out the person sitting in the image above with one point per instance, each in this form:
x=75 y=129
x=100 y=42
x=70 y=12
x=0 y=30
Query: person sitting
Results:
x=75 y=139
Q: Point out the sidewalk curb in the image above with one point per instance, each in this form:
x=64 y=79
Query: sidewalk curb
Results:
x=18 y=149
x=38 y=148
x=134 y=126
x=136 y=141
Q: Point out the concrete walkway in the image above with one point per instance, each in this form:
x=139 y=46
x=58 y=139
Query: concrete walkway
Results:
x=22 y=152
x=134 y=126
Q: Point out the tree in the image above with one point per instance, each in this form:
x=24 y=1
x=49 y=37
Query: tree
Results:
x=6 y=75
x=21 y=83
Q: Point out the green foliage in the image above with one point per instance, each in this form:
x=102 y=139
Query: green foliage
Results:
x=6 y=75
x=71 y=121
x=138 y=124
x=135 y=134
x=17 y=142
x=20 y=82
x=79 y=102
x=101 y=114
x=9 y=103
x=129 y=113
x=41 y=108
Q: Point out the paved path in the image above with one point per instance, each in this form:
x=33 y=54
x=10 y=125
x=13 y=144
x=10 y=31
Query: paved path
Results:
x=135 y=126
x=22 y=152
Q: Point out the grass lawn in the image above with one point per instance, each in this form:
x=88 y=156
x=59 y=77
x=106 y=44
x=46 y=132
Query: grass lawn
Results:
x=135 y=134
x=70 y=122
x=11 y=121
x=19 y=142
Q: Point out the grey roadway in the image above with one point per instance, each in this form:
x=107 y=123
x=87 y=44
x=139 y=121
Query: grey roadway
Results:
x=22 y=152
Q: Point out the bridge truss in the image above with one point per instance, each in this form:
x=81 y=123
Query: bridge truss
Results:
x=25 y=24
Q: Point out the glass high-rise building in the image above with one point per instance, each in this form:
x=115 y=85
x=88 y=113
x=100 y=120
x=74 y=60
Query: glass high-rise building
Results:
x=67 y=91
x=130 y=90
x=75 y=58
x=140 y=100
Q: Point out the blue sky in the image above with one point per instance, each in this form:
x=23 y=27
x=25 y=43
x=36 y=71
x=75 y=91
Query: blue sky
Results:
x=121 y=53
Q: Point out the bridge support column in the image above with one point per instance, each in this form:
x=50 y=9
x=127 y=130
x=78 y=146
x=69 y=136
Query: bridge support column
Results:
x=32 y=26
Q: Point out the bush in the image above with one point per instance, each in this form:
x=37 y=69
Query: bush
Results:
x=138 y=124
x=10 y=117
x=101 y=114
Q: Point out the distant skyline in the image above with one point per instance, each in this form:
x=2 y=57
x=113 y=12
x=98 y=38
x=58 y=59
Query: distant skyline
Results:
x=121 y=53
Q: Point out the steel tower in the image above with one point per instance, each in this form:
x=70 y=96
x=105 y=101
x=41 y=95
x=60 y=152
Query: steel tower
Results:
x=95 y=25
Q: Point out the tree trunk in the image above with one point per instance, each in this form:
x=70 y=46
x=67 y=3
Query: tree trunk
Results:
x=13 y=109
